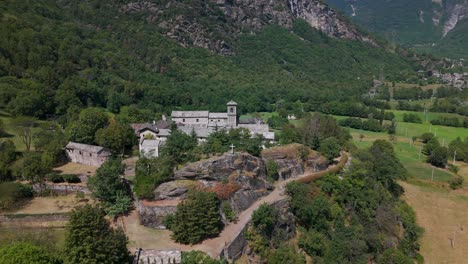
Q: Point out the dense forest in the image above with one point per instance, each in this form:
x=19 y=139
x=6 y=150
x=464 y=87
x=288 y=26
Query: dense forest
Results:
x=62 y=56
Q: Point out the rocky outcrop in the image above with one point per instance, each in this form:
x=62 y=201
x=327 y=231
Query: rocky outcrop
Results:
x=214 y=25
x=153 y=214
x=285 y=230
x=242 y=171
x=456 y=11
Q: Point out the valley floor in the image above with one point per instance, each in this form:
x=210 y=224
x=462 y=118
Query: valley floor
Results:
x=444 y=217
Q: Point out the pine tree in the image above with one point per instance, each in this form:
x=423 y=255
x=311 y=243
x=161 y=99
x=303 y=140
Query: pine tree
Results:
x=91 y=240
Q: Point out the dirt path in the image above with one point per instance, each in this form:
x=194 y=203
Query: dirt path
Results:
x=444 y=216
x=215 y=245
x=145 y=237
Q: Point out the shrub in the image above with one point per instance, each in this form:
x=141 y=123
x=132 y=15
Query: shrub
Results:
x=228 y=212
x=456 y=182
x=54 y=177
x=71 y=178
x=426 y=137
x=272 y=170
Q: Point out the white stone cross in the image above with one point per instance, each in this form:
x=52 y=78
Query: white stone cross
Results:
x=232 y=148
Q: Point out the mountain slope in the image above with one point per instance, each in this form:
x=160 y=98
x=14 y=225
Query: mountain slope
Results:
x=59 y=56
x=413 y=23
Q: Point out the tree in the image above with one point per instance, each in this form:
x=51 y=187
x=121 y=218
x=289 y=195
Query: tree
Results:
x=286 y=254
x=196 y=218
x=179 y=146
x=330 y=148
x=24 y=126
x=438 y=156
x=26 y=253
x=90 y=120
x=7 y=156
x=108 y=187
x=32 y=168
x=426 y=137
x=90 y=239
x=430 y=146
x=264 y=219
x=115 y=136
x=150 y=172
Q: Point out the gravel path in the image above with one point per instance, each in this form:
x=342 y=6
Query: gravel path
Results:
x=215 y=245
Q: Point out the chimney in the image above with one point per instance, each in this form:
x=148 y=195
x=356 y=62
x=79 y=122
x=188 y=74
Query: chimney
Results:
x=154 y=122
x=164 y=117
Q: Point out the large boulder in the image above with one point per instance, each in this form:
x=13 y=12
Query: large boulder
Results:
x=152 y=214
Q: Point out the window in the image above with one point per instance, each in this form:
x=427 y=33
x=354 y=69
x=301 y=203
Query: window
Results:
x=183 y=120
x=90 y=154
x=81 y=153
x=197 y=120
x=232 y=110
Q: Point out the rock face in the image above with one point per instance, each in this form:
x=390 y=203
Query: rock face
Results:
x=214 y=25
x=152 y=214
x=456 y=11
x=243 y=172
x=285 y=230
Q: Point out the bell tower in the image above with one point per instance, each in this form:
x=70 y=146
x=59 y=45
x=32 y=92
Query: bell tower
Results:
x=232 y=114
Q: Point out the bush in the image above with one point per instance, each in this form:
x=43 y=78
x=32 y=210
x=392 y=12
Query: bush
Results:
x=456 y=182
x=272 y=170
x=22 y=252
x=426 y=137
x=71 y=178
x=12 y=193
x=55 y=177
x=228 y=212
x=411 y=118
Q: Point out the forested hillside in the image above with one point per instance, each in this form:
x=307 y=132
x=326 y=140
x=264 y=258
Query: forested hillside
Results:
x=438 y=27
x=59 y=56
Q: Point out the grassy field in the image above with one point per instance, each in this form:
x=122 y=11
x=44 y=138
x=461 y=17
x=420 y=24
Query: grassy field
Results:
x=12 y=132
x=409 y=155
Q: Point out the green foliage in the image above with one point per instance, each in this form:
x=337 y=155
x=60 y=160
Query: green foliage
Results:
x=61 y=55
x=277 y=122
x=115 y=136
x=71 y=178
x=272 y=170
x=197 y=257
x=317 y=127
x=90 y=239
x=330 y=148
x=12 y=194
x=264 y=219
x=348 y=219
x=426 y=137
x=286 y=254
x=313 y=243
x=459 y=149
x=150 y=172
x=90 y=120
x=438 y=156
x=393 y=256
x=7 y=156
x=26 y=253
x=221 y=140
x=179 y=147
x=357 y=123
x=196 y=218
x=108 y=187
x=228 y=212
x=411 y=118
x=456 y=182
x=32 y=167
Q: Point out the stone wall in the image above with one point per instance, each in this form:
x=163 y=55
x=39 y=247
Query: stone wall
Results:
x=152 y=256
x=61 y=189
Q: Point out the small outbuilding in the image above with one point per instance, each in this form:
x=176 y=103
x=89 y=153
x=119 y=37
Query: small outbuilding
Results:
x=87 y=154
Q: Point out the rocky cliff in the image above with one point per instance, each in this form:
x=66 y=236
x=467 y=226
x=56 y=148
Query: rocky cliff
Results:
x=215 y=24
x=239 y=178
